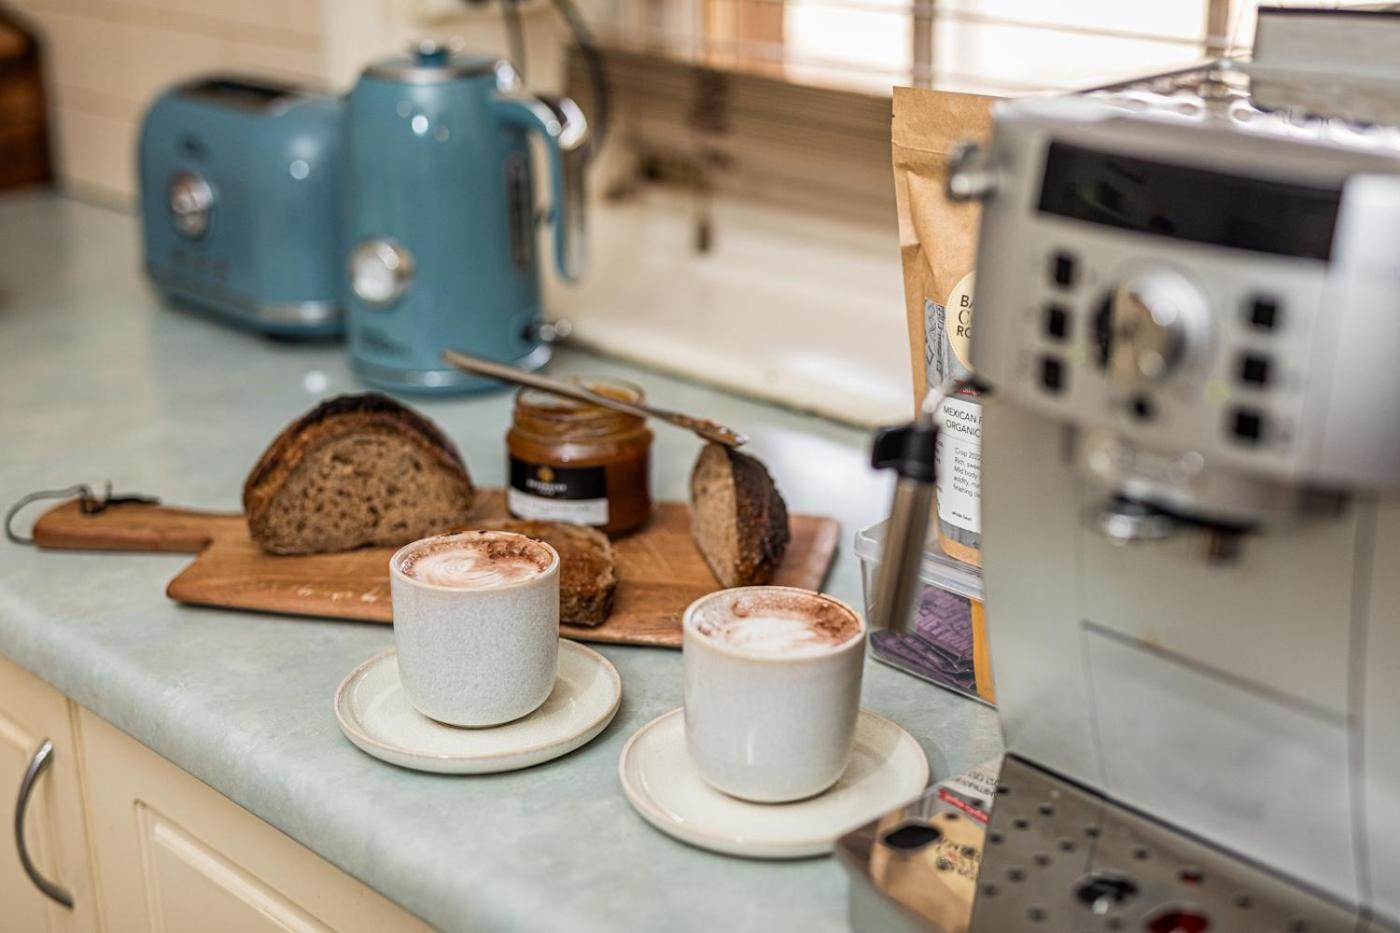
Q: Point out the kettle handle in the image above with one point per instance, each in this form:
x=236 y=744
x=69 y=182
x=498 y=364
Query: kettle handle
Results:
x=562 y=126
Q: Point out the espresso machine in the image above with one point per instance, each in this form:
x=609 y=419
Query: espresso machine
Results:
x=1188 y=327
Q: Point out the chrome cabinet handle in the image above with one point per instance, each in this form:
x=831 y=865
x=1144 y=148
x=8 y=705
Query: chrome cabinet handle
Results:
x=37 y=764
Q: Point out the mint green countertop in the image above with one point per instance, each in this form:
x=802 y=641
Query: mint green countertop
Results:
x=98 y=381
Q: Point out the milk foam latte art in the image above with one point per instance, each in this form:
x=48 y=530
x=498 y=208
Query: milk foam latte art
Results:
x=473 y=562
x=776 y=623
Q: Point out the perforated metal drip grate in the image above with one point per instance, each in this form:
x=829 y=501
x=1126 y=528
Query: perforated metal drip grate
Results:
x=1057 y=858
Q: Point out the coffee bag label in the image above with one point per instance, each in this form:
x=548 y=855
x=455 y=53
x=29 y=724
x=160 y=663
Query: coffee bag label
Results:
x=958 y=325
x=958 y=455
x=542 y=492
x=948 y=334
x=948 y=340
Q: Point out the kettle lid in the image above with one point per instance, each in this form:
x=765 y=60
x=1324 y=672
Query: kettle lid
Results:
x=431 y=62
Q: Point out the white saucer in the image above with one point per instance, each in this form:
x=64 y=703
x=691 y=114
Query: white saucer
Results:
x=888 y=768
x=376 y=715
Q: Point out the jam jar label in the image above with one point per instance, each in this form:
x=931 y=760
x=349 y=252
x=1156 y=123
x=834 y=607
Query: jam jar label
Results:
x=558 y=494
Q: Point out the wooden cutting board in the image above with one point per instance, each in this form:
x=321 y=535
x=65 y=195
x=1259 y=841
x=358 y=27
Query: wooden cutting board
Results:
x=659 y=570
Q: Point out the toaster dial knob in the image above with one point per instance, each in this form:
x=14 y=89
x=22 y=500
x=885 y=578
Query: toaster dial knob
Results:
x=380 y=272
x=191 y=204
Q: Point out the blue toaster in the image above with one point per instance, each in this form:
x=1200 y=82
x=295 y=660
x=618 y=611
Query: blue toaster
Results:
x=241 y=203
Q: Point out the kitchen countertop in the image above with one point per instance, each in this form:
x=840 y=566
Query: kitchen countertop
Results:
x=101 y=382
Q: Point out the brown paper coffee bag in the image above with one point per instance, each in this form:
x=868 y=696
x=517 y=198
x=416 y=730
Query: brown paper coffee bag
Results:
x=937 y=237
x=938 y=244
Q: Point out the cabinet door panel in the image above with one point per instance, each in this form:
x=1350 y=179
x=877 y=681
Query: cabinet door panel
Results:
x=31 y=711
x=189 y=885
x=174 y=854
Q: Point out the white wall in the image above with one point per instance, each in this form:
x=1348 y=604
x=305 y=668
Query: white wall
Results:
x=106 y=59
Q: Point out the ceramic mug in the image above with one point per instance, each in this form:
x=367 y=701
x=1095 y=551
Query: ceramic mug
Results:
x=477 y=656
x=770 y=727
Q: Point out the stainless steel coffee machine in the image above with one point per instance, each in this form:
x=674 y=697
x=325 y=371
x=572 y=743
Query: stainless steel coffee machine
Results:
x=1189 y=326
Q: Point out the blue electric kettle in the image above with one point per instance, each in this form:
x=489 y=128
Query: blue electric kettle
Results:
x=441 y=223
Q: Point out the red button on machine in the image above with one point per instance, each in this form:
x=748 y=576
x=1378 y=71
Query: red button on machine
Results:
x=1179 y=921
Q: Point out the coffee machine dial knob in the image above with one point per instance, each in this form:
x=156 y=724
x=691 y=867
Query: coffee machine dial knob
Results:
x=191 y=204
x=1146 y=327
x=380 y=272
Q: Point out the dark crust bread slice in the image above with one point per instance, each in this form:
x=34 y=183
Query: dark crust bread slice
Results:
x=738 y=518
x=357 y=432
x=587 y=568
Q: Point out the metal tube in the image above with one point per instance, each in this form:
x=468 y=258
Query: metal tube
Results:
x=897 y=580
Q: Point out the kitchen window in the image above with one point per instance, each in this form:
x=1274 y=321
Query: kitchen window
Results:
x=752 y=142
x=985 y=45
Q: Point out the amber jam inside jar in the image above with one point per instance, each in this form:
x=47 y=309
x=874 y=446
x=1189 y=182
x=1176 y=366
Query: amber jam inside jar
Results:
x=575 y=462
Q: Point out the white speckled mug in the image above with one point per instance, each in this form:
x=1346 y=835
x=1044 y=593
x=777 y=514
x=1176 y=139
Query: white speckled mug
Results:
x=476 y=624
x=772 y=690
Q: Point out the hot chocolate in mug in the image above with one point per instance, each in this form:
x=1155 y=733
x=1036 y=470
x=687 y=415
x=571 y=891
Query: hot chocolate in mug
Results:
x=772 y=690
x=476 y=625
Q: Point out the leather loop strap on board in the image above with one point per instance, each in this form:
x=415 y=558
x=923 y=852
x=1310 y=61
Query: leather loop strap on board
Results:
x=88 y=504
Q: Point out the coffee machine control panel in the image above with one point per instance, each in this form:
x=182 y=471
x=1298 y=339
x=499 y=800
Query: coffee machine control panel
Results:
x=1220 y=304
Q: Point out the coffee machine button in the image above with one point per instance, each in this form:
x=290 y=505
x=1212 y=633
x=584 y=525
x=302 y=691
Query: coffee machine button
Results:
x=191 y=204
x=1263 y=313
x=1255 y=369
x=1146 y=326
x=1247 y=425
x=380 y=272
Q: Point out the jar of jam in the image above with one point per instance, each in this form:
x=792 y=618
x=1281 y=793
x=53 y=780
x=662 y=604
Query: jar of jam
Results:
x=575 y=462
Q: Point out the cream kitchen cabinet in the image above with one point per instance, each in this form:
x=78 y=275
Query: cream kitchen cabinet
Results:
x=53 y=820
x=140 y=844
x=173 y=854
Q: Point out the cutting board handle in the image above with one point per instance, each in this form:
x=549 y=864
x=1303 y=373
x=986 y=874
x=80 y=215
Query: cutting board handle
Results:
x=130 y=527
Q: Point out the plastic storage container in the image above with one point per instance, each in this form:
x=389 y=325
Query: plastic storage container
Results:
x=948 y=646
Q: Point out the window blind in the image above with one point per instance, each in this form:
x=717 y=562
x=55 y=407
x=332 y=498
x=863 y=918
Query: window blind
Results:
x=985 y=46
x=788 y=100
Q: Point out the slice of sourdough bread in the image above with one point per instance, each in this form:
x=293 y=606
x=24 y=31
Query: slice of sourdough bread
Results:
x=737 y=517
x=357 y=470
x=587 y=568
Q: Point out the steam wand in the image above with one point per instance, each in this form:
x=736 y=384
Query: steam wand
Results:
x=911 y=451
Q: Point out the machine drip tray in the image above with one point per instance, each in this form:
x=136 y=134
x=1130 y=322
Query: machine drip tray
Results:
x=1058 y=858
x=1055 y=857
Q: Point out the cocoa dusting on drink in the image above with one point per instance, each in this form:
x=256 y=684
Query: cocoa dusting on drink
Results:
x=492 y=548
x=777 y=622
x=828 y=621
